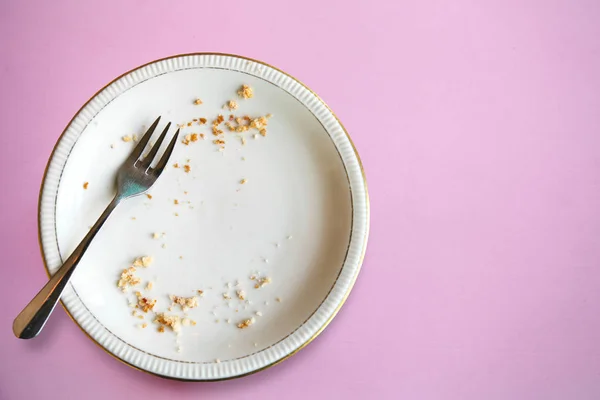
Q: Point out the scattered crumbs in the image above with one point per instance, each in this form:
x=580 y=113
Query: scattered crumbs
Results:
x=260 y=282
x=184 y=302
x=187 y=168
x=149 y=285
x=197 y=102
x=232 y=105
x=187 y=322
x=228 y=285
x=245 y=92
x=128 y=279
x=126 y=138
x=144 y=303
x=170 y=321
x=258 y=313
x=85 y=185
x=241 y=294
x=219 y=141
x=149 y=196
x=246 y=323
x=144 y=261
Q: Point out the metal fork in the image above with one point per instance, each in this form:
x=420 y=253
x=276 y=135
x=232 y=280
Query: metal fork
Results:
x=134 y=177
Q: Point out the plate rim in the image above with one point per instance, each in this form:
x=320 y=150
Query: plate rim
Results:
x=358 y=265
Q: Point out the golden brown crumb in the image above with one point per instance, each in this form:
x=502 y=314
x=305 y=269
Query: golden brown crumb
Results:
x=149 y=286
x=243 y=181
x=202 y=121
x=128 y=279
x=216 y=131
x=187 y=168
x=241 y=294
x=230 y=126
x=176 y=165
x=263 y=132
x=189 y=124
x=226 y=296
x=260 y=282
x=246 y=323
x=197 y=102
x=269 y=115
x=144 y=325
x=85 y=185
x=218 y=141
x=184 y=302
x=239 y=120
x=175 y=201
x=202 y=135
x=245 y=92
x=149 y=196
x=232 y=105
x=144 y=303
x=194 y=137
x=200 y=292
x=170 y=321
x=186 y=139
x=127 y=138
x=155 y=235
x=144 y=261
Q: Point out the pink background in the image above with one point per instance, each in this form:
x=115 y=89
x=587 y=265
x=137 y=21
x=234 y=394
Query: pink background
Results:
x=478 y=124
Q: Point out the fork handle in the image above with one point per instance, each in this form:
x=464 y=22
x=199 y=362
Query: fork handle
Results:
x=34 y=316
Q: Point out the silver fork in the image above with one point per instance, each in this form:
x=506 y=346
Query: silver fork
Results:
x=134 y=177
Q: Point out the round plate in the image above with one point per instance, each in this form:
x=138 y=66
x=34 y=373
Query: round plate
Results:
x=289 y=207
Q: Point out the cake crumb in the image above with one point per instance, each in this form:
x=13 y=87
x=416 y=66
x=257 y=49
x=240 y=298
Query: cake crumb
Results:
x=202 y=121
x=126 y=138
x=128 y=279
x=175 y=201
x=258 y=313
x=245 y=92
x=149 y=196
x=278 y=299
x=197 y=102
x=200 y=292
x=170 y=321
x=85 y=185
x=149 y=285
x=144 y=261
x=187 y=168
x=243 y=181
x=217 y=360
x=246 y=323
x=184 y=302
x=164 y=246
x=241 y=294
x=144 y=325
x=260 y=282
x=155 y=235
x=232 y=105
x=144 y=303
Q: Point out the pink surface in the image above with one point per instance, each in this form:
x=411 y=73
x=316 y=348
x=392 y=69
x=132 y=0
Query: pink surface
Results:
x=478 y=125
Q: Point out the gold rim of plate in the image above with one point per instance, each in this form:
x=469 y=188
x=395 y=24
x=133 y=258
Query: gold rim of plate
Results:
x=345 y=295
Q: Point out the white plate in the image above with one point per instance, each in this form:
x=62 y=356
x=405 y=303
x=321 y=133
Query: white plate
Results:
x=301 y=218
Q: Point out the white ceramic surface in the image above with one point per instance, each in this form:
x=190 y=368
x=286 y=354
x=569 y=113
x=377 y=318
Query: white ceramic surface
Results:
x=301 y=218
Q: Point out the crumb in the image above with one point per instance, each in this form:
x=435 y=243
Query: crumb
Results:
x=164 y=246
x=200 y=292
x=187 y=168
x=126 y=138
x=269 y=116
x=184 y=302
x=232 y=105
x=226 y=296
x=112 y=145
x=217 y=360
x=245 y=92
x=245 y=323
x=144 y=261
x=278 y=299
x=194 y=137
x=176 y=165
x=187 y=322
x=149 y=286
x=219 y=141
x=171 y=321
x=135 y=138
x=133 y=218
x=85 y=185
x=187 y=139
x=243 y=181
x=263 y=132
x=128 y=279
x=149 y=196
x=228 y=320
x=144 y=303
x=260 y=282
x=197 y=102
x=255 y=136
x=289 y=237
x=144 y=325
x=258 y=313
x=175 y=201
x=243 y=141
x=202 y=121
x=241 y=294
x=155 y=235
